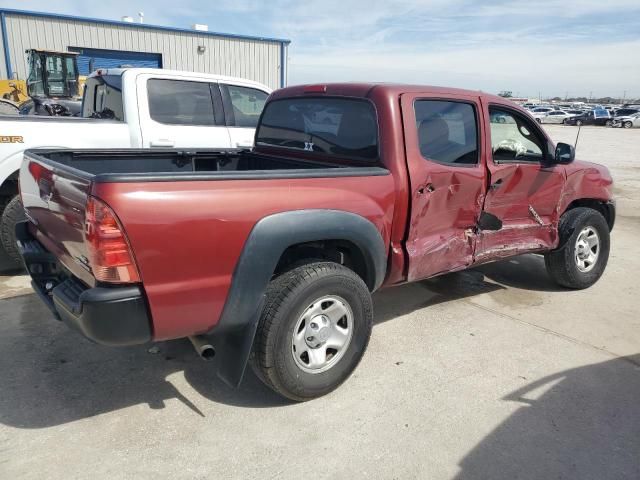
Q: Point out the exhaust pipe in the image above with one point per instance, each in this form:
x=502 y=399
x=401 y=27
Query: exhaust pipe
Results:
x=203 y=347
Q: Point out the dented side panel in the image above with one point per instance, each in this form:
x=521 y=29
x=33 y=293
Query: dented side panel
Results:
x=586 y=180
x=445 y=203
x=526 y=197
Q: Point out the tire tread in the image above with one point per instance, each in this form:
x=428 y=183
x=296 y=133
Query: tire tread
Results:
x=277 y=293
x=560 y=262
x=12 y=213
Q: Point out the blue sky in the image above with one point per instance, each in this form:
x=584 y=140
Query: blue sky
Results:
x=550 y=46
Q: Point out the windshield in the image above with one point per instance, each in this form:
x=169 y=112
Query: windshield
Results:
x=61 y=76
x=345 y=127
x=35 y=82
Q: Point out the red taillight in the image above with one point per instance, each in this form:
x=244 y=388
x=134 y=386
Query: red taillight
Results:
x=110 y=256
x=39 y=172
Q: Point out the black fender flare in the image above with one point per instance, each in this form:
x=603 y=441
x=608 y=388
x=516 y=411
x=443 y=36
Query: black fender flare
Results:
x=234 y=333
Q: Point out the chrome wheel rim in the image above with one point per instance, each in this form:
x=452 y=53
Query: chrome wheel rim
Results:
x=587 y=249
x=322 y=334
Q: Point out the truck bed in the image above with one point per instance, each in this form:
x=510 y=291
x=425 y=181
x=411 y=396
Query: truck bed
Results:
x=133 y=165
x=175 y=187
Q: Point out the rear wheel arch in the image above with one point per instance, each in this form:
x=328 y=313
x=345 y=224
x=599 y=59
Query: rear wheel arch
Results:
x=342 y=252
x=275 y=243
x=9 y=186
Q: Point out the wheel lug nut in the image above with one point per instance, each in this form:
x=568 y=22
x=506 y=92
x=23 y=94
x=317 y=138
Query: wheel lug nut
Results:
x=310 y=339
x=314 y=325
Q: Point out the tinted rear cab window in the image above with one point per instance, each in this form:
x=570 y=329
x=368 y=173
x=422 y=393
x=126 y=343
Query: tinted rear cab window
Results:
x=180 y=102
x=342 y=127
x=103 y=98
x=447 y=131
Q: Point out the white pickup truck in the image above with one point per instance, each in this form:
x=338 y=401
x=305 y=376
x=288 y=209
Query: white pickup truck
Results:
x=133 y=108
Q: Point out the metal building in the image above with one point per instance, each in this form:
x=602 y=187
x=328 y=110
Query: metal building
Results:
x=107 y=43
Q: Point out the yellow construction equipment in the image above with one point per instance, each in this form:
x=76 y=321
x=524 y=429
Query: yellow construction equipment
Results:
x=53 y=86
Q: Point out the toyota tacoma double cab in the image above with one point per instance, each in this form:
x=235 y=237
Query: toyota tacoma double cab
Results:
x=268 y=257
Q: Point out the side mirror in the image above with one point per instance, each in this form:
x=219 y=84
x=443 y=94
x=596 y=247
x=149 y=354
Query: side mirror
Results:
x=565 y=153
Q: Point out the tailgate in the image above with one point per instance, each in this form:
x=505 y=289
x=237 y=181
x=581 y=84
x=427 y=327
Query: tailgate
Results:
x=54 y=197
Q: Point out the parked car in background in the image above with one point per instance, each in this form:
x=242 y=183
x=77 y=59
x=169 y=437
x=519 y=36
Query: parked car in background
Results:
x=270 y=256
x=627 y=121
x=542 y=109
x=557 y=116
x=133 y=108
x=592 y=117
x=623 y=112
x=538 y=116
x=497 y=117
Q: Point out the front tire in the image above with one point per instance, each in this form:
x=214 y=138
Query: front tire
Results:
x=584 y=249
x=627 y=124
x=314 y=330
x=12 y=214
x=578 y=123
x=608 y=123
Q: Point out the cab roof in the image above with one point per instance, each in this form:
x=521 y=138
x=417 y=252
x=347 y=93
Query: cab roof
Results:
x=179 y=74
x=367 y=89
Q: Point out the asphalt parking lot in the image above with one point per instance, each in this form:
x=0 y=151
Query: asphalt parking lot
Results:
x=493 y=373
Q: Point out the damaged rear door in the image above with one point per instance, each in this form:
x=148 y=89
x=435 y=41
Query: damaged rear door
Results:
x=523 y=187
x=447 y=180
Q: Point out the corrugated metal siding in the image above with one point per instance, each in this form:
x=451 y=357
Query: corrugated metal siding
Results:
x=114 y=59
x=253 y=59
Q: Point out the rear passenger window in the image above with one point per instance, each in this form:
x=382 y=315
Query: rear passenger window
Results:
x=247 y=104
x=447 y=131
x=178 y=102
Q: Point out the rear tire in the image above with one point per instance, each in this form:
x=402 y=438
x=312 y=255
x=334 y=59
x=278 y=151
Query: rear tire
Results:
x=12 y=214
x=608 y=123
x=627 y=124
x=584 y=249
x=307 y=311
x=578 y=123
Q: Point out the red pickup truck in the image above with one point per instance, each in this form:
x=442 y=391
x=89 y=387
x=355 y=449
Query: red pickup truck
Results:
x=269 y=257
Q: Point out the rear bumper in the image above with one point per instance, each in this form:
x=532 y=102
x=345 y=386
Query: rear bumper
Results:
x=112 y=316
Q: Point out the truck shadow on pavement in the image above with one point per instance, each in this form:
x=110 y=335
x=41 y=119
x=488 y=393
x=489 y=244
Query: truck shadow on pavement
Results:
x=582 y=423
x=51 y=375
x=526 y=272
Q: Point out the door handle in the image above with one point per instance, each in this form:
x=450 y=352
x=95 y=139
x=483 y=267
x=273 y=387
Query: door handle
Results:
x=163 y=143
x=428 y=188
x=495 y=185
